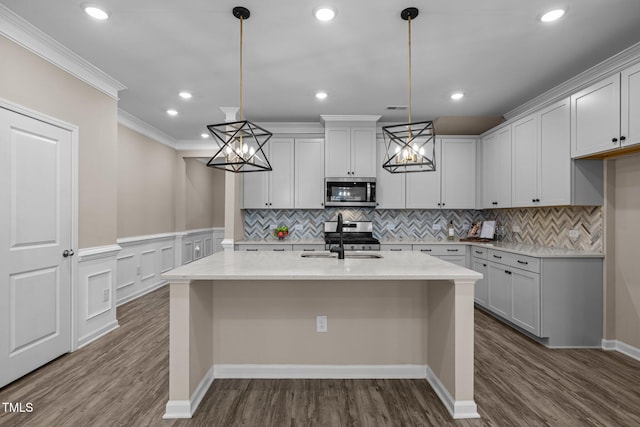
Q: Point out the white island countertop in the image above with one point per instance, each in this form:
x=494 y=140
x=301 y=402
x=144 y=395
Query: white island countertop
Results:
x=292 y=266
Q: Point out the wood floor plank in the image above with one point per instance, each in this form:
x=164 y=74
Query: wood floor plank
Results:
x=122 y=380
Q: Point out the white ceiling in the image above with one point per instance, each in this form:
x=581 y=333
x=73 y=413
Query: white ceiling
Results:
x=495 y=51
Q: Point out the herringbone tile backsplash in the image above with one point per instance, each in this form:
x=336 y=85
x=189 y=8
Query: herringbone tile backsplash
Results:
x=538 y=226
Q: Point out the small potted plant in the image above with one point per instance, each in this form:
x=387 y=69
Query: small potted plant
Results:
x=281 y=232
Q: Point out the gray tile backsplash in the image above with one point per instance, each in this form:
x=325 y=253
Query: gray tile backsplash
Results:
x=538 y=226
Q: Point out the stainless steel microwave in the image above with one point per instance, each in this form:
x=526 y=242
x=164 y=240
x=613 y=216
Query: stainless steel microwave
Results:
x=356 y=192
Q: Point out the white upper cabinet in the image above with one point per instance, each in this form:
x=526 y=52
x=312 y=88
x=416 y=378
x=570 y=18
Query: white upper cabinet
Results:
x=554 y=154
x=630 y=97
x=496 y=169
x=423 y=188
x=458 y=173
x=309 y=173
x=350 y=146
x=595 y=118
x=390 y=187
x=525 y=162
x=274 y=189
x=605 y=116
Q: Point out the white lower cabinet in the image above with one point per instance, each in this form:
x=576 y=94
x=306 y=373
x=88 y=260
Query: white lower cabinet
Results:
x=453 y=253
x=557 y=300
x=481 y=287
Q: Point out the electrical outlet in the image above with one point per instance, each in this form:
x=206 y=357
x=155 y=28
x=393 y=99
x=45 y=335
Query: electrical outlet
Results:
x=437 y=227
x=105 y=295
x=574 y=234
x=321 y=323
x=297 y=227
x=139 y=271
x=390 y=227
x=515 y=228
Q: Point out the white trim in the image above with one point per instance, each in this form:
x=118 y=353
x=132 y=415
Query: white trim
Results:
x=457 y=409
x=132 y=122
x=609 y=66
x=621 y=347
x=228 y=245
x=321 y=371
x=195 y=231
x=23 y=33
x=94 y=335
x=141 y=292
x=186 y=408
x=98 y=252
x=347 y=118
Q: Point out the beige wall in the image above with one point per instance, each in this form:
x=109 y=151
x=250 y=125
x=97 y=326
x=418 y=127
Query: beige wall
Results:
x=626 y=236
x=146 y=175
x=28 y=80
x=275 y=322
x=204 y=195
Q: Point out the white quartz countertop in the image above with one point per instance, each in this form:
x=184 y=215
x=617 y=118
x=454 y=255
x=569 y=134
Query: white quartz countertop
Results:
x=276 y=241
x=267 y=265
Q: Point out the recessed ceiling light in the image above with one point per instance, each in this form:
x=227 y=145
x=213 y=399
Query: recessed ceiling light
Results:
x=204 y=135
x=457 y=95
x=185 y=95
x=321 y=95
x=324 y=13
x=95 y=12
x=172 y=112
x=552 y=15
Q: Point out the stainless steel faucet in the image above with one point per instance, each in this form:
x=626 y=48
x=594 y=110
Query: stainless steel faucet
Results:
x=340 y=248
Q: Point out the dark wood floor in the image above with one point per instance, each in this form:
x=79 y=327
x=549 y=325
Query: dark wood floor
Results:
x=122 y=379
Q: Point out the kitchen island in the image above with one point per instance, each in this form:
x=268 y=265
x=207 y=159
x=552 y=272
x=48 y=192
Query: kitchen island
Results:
x=420 y=309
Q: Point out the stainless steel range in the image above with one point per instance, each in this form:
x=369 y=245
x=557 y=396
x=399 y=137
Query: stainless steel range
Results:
x=357 y=236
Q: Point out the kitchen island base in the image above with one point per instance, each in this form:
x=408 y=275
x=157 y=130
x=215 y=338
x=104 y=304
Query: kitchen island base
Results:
x=253 y=315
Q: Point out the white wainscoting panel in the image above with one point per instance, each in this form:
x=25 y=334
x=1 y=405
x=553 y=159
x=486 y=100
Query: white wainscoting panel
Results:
x=143 y=259
x=95 y=305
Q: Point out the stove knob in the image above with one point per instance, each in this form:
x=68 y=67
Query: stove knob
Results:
x=369 y=247
x=352 y=247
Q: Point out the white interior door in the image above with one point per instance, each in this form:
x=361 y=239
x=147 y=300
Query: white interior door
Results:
x=35 y=230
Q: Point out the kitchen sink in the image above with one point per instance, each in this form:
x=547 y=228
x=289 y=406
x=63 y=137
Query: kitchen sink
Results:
x=359 y=255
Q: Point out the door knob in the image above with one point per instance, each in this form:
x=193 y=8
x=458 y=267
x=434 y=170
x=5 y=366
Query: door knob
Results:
x=68 y=253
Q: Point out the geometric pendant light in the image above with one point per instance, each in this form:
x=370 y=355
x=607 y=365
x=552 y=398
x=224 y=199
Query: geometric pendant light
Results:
x=410 y=147
x=241 y=144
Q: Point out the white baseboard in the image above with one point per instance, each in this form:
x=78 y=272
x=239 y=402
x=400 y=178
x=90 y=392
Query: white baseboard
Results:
x=457 y=409
x=94 y=335
x=186 y=408
x=321 y=371
x=619 y=346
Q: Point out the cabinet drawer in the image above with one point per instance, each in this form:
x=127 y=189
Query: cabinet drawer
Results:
x=395 y=247
x=308 y=247
x=442 y=249
x=269 y=247
x=479 y=252
x=514 y=260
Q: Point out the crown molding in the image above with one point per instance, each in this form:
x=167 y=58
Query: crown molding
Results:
x=23 y=33
x=609 y=66
x=348 y=118
x=132 y=122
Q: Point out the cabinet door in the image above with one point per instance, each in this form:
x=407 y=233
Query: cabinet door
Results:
x=554 y=125
x=595 y=118
x=630 y=93
x=490 y=171
x=423 y=189
x=525 y=303
x=390 y=187
x=363 y=152
x=499 y=290
x=503 y=167
x=481 y=286
x=524 y=161
x=337 y=161
x=458 y=188
x=309 y=173
x=255 y=189
x=281 y=179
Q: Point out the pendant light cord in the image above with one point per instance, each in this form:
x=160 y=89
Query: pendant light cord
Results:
x=409 y=25
x=241 y=20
